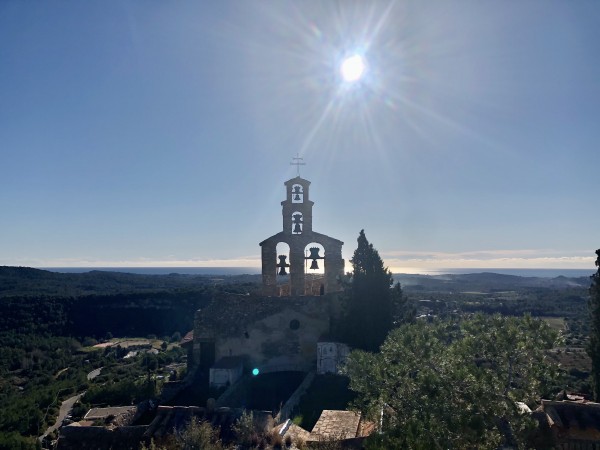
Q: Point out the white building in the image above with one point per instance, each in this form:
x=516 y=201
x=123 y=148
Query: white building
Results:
x=331 y=356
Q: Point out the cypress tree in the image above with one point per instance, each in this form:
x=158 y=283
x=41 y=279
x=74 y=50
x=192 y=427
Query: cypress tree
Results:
x=369 y=314
x=594 y=344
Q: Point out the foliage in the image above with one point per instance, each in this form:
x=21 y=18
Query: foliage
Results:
x=33 y=381
x=594 y=343
x=14 y=441
x=199 y=435
x=125 y=392
x=244 y=428
x=454 y=385
x=371 y=306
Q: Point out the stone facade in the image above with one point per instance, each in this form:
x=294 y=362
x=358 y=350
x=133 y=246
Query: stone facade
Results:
x=269 y=333
x=298 y=234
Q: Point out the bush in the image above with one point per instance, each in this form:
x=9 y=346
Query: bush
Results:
x=244 y=429
x=198 y=435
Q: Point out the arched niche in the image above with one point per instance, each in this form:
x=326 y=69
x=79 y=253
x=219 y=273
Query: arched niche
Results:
x=314 y=269
x=283 y=265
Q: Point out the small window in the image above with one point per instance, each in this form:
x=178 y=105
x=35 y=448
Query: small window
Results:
x=294 y=324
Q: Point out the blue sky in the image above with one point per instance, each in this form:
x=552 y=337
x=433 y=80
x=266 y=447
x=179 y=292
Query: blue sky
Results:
x=145 y=133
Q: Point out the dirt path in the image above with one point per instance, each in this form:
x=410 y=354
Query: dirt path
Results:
x=65 y=409
x=94 y=373
x=67 y=405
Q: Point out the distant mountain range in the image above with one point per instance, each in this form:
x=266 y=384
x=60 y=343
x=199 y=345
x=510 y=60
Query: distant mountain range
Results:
x=486 y=281
x=26 y=281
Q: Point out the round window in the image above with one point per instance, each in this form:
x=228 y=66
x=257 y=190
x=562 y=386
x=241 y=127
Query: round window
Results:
x=294 y=324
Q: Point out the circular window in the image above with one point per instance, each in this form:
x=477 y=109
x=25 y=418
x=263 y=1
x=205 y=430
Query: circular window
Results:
x=294 y=324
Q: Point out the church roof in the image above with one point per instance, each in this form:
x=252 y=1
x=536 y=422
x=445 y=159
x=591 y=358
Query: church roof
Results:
x=298 y=180
x=308 y=235
x=229 y=313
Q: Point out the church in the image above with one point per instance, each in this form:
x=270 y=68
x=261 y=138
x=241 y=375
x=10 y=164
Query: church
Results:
x=280 y=329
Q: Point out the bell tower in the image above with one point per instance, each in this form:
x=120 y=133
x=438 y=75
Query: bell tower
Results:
x=297 y=207
x=298 y=234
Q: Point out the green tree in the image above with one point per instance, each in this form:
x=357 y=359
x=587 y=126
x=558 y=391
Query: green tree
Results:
x=448 y=385
x=368 y=297
x=594 y=344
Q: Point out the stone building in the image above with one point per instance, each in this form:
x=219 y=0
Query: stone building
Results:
x=279 y=330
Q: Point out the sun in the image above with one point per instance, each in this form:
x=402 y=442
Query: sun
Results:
x=353 y=68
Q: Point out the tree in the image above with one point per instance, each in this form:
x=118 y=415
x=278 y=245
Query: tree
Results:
x=369 y=309
x=449 y=385
x=594 y=344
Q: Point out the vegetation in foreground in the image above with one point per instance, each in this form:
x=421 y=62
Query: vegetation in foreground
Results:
x=455 y=385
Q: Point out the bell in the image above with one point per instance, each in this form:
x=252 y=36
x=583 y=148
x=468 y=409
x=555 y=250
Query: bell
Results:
x=314 y=265
x=282 y=265
x=297 y=197
x=297 y=228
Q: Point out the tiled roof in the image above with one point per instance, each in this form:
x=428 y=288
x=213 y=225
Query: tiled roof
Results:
x=338 y=425
x=103 y=413
x=230 y=313
x=188 y=338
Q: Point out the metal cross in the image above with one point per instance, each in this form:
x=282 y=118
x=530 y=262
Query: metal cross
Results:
x=296 y=162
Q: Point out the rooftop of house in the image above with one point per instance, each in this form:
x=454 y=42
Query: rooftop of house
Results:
x=333 y=424
x=574 y=419
x=288 y=428
x=111 y=412
x=187 y=339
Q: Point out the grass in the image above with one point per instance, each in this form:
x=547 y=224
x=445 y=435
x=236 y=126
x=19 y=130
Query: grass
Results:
x=556 y=323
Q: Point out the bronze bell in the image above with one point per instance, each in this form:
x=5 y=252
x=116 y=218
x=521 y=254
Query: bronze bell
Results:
x=282 y=271
x=314 y=265
x=297 y=197
x=297 y=228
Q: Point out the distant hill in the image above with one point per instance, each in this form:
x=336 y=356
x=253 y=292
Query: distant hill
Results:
x=486 y=282
x=26 y=281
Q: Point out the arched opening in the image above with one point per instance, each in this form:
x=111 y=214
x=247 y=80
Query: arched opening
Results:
x=297 y=193
x=314 y=269
x=283 y=268
x=297 y=224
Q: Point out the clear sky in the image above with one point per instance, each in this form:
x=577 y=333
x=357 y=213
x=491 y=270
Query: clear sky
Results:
x=155 y=133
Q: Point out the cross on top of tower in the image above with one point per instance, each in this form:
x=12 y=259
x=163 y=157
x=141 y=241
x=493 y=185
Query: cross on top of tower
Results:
x=296 y=161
